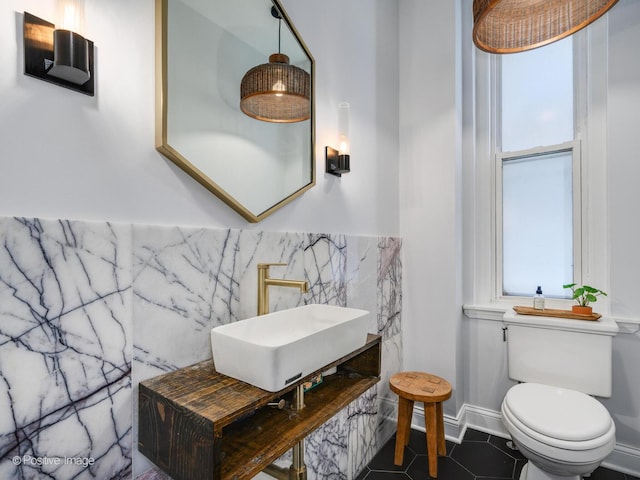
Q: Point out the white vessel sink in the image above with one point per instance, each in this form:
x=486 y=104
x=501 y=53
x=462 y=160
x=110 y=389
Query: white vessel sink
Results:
x=274 y=350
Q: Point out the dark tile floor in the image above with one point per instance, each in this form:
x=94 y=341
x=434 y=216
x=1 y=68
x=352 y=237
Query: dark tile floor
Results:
x=479 y=456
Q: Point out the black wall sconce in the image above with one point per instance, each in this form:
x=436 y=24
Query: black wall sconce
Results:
x=337 y=161
x=60 y=56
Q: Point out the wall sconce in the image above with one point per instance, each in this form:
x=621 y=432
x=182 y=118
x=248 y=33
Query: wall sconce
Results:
x=338 y=161
x=60 y=55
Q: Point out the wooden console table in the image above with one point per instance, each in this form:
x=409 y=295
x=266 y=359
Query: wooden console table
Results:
x=195 y=423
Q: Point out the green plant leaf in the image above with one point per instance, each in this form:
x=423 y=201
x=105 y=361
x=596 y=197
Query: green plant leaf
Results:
x=585 y=294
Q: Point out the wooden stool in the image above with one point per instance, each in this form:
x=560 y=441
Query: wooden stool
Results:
x=432 y=391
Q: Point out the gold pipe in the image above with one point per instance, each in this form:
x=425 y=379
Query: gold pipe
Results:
x=264 y=282
x=281 y=473
x=298 y=470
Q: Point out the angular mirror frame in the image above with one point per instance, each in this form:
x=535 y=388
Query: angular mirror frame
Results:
x=172 y=154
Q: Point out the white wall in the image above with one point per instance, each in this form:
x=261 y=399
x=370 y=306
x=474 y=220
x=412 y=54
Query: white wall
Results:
x=623 y=172
x=68 y=155
x=430 y=165
x=623 y=161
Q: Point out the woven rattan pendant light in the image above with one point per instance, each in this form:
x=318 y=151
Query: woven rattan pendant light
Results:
x=276 y=91
x=511 y=26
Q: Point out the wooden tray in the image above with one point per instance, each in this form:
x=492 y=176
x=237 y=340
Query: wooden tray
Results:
x=551 y=312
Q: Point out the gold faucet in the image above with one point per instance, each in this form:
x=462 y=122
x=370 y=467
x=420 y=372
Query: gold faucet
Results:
x=264 y=282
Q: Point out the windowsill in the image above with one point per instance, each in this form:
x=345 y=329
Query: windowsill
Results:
x=492 y=311
x=628 y=325
x=495 y=311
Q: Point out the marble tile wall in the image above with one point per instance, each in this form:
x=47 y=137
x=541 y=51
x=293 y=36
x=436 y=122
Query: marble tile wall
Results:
x=65 y=350
x=89 y=309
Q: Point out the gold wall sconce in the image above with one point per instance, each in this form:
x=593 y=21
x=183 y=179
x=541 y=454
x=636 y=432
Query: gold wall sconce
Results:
x=338 y=161
x=61 y=56
x=276 y=91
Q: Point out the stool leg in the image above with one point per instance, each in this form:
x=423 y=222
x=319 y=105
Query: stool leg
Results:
x=442 y=446
x=405 y=411
x=432 y=437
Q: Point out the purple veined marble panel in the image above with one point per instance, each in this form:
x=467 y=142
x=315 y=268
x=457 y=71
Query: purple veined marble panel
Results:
x=325 y=264
x=327 y=449
x=362 y=276
x=185 y=282
x=65 y=349
x=363 y=422
x=389 y=297
x=272 y=247
x=88 y=309
x=389 y=286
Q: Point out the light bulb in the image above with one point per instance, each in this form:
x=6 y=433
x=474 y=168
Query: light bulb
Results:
x=343 y=147
x=70 y=15
x=279 y=87
x=343 y=129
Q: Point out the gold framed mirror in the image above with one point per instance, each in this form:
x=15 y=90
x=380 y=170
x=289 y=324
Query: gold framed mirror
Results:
x=203 y=50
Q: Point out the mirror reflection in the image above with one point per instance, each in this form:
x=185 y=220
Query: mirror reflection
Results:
x=205 y=50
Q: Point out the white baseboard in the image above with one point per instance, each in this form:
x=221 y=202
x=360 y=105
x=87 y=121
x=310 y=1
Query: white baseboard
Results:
x=454 y=427
x=624 y=458
x=485 y=420
x=478 y=418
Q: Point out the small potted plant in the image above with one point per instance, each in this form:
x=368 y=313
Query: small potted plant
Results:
x=584 y=295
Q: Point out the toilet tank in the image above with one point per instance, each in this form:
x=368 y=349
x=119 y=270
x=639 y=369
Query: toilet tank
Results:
x=575 y=354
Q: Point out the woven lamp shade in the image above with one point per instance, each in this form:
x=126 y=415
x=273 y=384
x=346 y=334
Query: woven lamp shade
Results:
x=276 y=91
x=511 y=26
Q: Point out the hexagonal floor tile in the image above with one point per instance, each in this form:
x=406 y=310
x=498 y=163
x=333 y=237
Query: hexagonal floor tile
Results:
x=383 y=460
x=480 y=455
x=418 y=443
x=501 y=444
x=375 y=475
x=605 y=474
x=484 y=460
x=448 y=469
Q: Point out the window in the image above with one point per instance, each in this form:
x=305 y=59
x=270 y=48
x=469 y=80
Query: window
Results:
x=537 y=155
x=538 y=139
x=537 y=222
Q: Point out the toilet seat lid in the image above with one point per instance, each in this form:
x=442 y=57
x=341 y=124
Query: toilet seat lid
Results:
x=558 y=412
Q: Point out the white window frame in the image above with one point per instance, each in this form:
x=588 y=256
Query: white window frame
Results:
x=571 y=146
x=481 y=186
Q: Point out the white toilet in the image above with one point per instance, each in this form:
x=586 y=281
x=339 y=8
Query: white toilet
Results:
x=563 y=431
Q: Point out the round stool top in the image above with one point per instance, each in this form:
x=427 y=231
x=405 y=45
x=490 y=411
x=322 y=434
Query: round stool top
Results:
x=420 y=387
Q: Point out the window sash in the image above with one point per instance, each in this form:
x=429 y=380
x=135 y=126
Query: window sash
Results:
x=500 y=158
